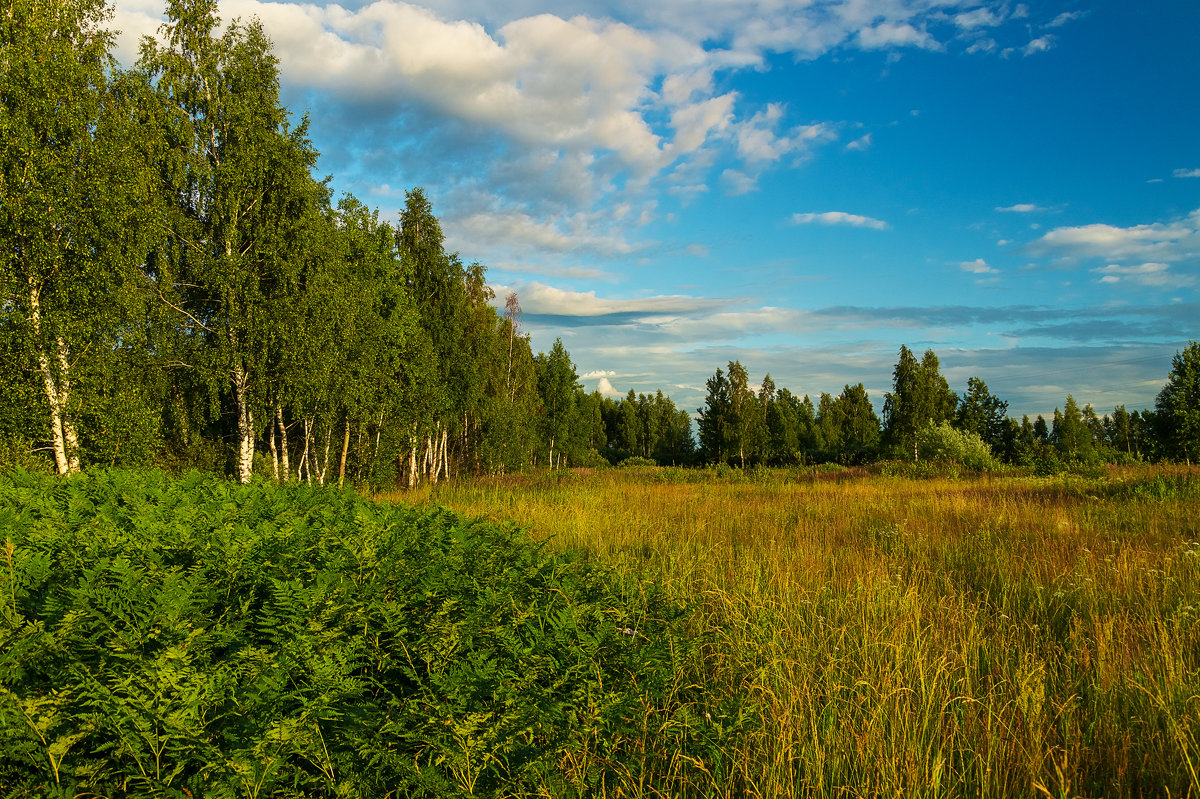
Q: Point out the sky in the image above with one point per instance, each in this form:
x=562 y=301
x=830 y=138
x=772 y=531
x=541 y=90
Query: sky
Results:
x=802 y=186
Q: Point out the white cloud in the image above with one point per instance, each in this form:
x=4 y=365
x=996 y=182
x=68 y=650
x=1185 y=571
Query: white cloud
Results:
x=1154 y=275
x=1161 y=242
x=515 y=229
x=977 y=267
x=1041 y=44
x=1019 y=208
x=737 y=183
x=984 y=45
x=977 y=18
x=1064 y=18
x=1187 y=173
x=564 y=115
x=605 y=387
x=860 y=144
x=538 y=298
x=893 y=34
x=839 y=218
x=595 y=373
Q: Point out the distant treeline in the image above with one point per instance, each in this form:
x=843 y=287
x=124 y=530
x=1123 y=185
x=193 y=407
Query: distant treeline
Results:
x=178 y=289
x=923 y=418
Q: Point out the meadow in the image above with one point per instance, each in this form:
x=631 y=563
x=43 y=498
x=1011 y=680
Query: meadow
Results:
x=884 y=635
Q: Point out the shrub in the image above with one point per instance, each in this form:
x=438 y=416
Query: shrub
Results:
x=637 y=461
x=944 y=443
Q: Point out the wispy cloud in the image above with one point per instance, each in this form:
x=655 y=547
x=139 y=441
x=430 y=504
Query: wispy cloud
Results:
x=839 y=218
x=1187 y=173
x=1155 y=275
x=1019 y=208
x=1064 y=18
x=860 y=144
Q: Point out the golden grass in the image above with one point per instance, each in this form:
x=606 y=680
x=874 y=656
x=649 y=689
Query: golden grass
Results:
x=991 y=636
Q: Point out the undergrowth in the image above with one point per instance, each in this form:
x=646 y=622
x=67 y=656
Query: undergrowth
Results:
x=193 y=637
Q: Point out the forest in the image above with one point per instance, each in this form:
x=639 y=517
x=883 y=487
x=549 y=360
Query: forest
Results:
x=181 y=289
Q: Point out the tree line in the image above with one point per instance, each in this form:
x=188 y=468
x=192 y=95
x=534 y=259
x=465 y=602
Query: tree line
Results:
x=741 y=424
x=178 y=288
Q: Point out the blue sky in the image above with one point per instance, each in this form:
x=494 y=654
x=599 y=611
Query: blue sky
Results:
x=804 y=187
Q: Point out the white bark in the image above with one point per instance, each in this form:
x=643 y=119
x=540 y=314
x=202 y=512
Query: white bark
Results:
x=274 y=453
x=345 y=450
x=61 y=461
x=412 y=458
x=64 y=393
x=304 y=468
x=283 y=443
x=324 y=466
x=245 y=442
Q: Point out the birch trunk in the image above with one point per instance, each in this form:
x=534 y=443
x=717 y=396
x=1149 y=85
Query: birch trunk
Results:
x=412 y=458
x=345 y=449
x=274 y=453
x=64 y=394
x=61 y=461
x=325 y=461
x=445 y=455
x=375 y=451
x=304 y=468
x=283 y=443
x=245 y=421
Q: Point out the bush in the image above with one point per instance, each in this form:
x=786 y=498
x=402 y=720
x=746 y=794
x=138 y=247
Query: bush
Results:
x=637 y=461
x=944 y=443
x=590 y=459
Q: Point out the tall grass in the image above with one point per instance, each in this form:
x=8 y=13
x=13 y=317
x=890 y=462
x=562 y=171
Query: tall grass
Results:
x=1002 y=636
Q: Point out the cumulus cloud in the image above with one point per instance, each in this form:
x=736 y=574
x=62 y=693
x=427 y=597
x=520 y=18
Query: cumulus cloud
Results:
x=1187 y=173
x=977 y=267
x=839 y=218
x=595 y=373
x=531 y=122
x=605 y=387
x=1162 y=242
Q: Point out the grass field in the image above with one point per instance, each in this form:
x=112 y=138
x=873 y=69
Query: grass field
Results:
x=990 y=636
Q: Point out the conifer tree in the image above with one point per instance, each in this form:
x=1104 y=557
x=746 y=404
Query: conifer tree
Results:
x=1177 y=407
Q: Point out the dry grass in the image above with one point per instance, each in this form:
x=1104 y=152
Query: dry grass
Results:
x=1007 y=636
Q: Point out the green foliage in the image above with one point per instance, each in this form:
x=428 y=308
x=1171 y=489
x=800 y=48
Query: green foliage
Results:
x=943 y=442
x=637 y=461
x=920 y=395
x=1178 y=406
x=163 y=637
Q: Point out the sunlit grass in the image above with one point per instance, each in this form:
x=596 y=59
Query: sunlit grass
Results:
x=946 y=637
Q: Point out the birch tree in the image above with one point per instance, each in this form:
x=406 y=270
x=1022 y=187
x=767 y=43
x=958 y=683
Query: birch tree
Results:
x=65 y=196
x=229 y=163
